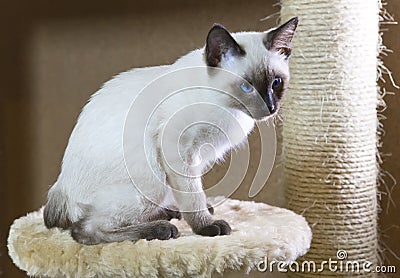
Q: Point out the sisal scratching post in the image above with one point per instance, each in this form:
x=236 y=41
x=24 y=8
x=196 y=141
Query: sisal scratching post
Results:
x=330 y=127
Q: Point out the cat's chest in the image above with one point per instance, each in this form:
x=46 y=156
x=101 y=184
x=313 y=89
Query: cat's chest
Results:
x=219 y=134
x=199 y=129
x=232 y=131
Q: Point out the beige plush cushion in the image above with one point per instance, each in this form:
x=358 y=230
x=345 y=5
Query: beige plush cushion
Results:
x=258 y=230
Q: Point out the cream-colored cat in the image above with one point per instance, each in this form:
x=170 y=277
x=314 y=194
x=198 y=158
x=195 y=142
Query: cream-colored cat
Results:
x=94 y=195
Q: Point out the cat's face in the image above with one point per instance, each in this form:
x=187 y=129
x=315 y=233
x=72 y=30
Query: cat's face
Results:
x=259 y=60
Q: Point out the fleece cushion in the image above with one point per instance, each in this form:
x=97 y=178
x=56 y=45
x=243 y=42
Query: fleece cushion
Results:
x=258 y=230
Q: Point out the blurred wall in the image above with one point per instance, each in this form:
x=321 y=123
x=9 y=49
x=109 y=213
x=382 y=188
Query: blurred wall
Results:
x=55 y=55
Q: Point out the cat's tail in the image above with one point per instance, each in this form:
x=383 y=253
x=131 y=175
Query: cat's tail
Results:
x=56 y=210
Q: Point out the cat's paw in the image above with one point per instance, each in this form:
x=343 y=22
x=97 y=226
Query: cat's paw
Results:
x=216 y=228
x=163 y=231
x=173 y=212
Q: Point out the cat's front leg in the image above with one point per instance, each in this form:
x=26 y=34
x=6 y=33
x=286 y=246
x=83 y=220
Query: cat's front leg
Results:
x=191 y=200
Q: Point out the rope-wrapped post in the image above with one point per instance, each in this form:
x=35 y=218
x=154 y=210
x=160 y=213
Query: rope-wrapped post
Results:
x=330 y=128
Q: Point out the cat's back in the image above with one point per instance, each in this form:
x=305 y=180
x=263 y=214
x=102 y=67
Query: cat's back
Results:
x=114 y=98
x=129 y=83
x=100 y=125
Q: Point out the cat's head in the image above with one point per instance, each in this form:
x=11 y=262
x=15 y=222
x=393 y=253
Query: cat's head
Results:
x=259 y=59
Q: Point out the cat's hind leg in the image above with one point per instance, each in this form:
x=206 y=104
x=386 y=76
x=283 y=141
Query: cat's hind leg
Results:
x=94 y=230
x=119 y=214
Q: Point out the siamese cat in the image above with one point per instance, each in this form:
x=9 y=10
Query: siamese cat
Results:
x=94 y=196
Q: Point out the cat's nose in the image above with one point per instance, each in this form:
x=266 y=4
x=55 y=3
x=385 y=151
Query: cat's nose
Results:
x=271 y=102
x=271 y=108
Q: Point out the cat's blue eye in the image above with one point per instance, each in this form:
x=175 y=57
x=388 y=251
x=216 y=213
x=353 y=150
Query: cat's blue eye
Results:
x=246 y=87
x=277 y=82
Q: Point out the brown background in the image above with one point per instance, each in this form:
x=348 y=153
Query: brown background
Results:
x=56 y=54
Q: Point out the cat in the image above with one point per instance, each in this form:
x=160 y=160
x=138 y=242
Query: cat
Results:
x=94 y=196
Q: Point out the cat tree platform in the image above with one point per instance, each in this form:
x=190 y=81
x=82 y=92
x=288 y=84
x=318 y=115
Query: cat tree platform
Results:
x=258 y=230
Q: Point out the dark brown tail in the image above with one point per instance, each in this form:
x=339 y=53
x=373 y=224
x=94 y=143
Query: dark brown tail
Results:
x=56 y=211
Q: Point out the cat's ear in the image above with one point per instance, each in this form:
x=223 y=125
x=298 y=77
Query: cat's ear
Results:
x=221 y=45
x=279 y=39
